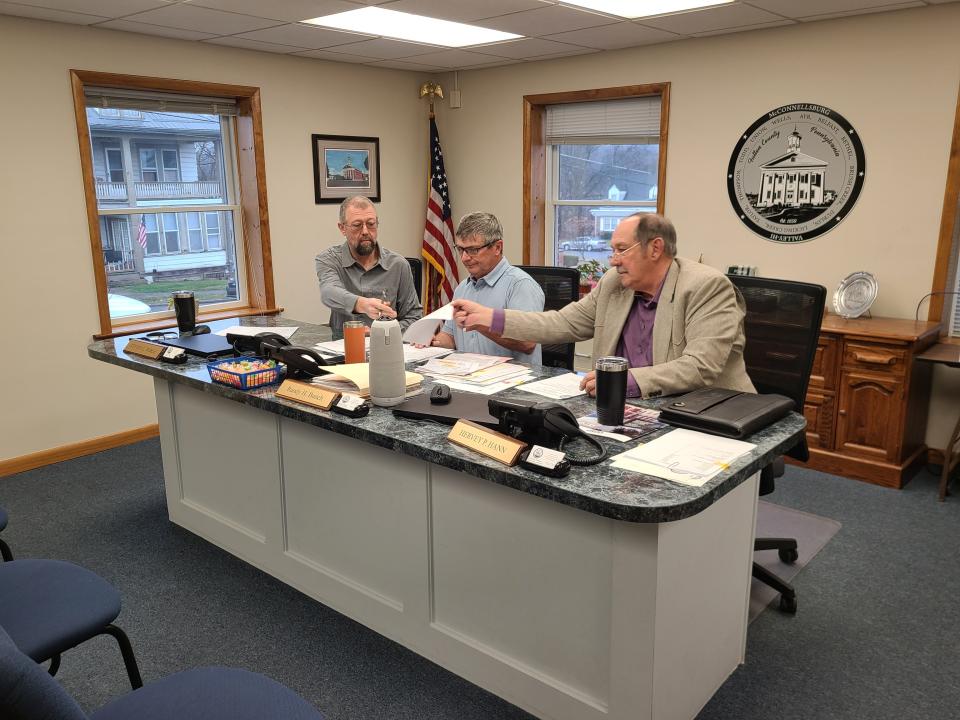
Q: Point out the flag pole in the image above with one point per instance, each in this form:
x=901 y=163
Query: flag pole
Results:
x=431 y=295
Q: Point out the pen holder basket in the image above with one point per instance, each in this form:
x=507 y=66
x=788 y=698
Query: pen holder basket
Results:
x=221 y=372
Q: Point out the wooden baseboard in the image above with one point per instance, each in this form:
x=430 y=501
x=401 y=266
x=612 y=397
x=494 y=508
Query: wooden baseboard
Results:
x=75 y=450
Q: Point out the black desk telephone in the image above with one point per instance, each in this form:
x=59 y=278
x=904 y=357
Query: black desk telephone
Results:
x=300 y=361
x=543 y=423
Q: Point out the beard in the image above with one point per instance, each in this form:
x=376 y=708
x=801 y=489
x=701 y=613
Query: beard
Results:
x=366 y=247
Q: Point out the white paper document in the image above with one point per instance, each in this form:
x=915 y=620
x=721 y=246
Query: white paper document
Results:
x=559 y=387
x=461 y=364
x=683 y=456
x=251 y=330
x=335 y=348
x=455 y=383
x=422 y=331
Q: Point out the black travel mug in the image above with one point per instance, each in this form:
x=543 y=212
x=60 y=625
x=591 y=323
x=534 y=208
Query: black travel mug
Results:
x=185 y=308
x=611 y=389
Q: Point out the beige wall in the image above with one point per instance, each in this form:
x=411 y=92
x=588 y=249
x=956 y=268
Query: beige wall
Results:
x=58 y=395
x=894 y=76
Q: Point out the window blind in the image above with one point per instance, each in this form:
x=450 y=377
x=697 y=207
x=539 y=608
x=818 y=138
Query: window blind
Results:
x=156 y=101
x=633 y=119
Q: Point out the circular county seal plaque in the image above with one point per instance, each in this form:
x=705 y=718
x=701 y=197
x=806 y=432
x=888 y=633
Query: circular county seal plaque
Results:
x=796 y=172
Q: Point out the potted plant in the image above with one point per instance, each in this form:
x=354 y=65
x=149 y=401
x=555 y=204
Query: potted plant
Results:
x=590 y=273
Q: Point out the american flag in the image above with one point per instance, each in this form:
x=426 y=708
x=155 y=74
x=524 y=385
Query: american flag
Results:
x=438 y=234
x=142 y=233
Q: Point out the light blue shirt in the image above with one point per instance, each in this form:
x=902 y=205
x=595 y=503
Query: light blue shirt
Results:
x=503 y=287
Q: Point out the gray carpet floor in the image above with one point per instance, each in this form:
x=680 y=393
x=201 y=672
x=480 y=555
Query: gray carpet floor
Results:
x=876 y=635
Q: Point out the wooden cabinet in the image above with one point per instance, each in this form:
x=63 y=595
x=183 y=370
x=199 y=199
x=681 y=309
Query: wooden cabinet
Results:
x=866 y=406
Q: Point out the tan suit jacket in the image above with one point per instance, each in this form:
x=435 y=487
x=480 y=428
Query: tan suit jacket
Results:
x=697 y=331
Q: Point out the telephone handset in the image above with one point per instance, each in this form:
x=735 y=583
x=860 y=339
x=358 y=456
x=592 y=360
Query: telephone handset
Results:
x=247 y=344
x=300 y=361
x=543 y=423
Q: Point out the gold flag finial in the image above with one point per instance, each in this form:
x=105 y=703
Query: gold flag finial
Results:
x=431 y=90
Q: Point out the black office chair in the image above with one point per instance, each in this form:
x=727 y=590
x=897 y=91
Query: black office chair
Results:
x=50 y=606
x=211 y=693
x=416 y=267
x=561 y=286
x=782 y=327
x=4 y=548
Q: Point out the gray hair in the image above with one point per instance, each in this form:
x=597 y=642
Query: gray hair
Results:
x=483 y=224
x=652 y=225
x=357 y=201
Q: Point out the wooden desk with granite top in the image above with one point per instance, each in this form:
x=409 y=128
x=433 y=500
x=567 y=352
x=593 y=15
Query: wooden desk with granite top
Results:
x=606 y=594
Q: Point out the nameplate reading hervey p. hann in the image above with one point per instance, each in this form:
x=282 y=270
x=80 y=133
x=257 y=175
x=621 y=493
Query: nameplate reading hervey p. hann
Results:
x=498 y=446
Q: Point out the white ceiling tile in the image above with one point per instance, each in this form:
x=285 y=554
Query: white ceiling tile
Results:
x=385 y=49
x=612 y=37
x=289 y=10
x=847 y=13
x=746 y=28
x=305 y=36
x=708 y=19
x=453 y=59
x=794 y=9
x=38 y=13
x=189 y=17
x=526 y=48
x=234 y=41
x=145 y=29
x=329 y=55
x=105 y=8
x=547 y=20
x=575 y=51
x=463 y=10
x=407 y=65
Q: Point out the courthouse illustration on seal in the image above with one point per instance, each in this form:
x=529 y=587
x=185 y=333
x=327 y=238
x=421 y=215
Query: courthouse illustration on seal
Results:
x=788 y=194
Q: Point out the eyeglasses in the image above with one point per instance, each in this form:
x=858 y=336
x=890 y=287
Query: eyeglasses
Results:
x=617 y=254
x=358 y=226
x=472 y=251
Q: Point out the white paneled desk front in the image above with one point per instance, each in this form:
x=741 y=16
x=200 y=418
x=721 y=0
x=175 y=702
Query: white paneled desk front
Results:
x=604 y=595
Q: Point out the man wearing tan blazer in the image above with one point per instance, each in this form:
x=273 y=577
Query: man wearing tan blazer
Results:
x=678 y=322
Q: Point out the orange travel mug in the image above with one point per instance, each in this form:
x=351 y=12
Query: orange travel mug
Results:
x=354 y=332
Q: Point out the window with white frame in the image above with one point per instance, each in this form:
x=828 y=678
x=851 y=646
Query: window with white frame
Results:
x=604 y=160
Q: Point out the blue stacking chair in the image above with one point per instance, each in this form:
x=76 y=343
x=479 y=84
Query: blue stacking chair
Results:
x=51 y=606
x=213 y=693
x=4 y=548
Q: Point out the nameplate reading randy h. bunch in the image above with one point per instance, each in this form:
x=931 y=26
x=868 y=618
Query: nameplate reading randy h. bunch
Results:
x=501 y=448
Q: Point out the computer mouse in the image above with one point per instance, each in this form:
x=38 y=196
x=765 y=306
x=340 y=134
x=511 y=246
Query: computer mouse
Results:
x=440 y=395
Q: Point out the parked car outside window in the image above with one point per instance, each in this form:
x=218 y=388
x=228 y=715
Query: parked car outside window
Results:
x=588 y=243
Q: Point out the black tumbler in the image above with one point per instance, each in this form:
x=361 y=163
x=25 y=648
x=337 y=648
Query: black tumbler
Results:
x=185 y=308
x=611 y=389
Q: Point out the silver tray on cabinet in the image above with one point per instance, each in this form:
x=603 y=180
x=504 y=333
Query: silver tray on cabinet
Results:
x=855 y=294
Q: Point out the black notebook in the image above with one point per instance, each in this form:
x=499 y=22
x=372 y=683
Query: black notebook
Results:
x=206 y=346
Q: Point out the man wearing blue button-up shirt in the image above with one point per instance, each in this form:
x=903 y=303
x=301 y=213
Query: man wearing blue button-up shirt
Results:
x=493 y=282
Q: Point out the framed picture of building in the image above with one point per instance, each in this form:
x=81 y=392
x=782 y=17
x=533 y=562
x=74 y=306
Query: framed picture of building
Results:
x=345 y=165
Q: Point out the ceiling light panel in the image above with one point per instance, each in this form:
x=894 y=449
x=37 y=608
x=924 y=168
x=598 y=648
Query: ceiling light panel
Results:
x=415 y=28
x=634 y=9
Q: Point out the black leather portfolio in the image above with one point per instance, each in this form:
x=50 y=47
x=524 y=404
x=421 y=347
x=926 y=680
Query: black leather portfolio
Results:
x=730 y=413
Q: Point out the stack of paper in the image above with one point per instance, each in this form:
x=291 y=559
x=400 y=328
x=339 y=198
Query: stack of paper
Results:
x=558 y=387
x=482 y=374
x=637 y=422
x=355 y=379
x=683 y=456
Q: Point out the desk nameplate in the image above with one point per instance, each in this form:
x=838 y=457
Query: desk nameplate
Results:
x=307 y=394
x=497 y=446
x=144 y=348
